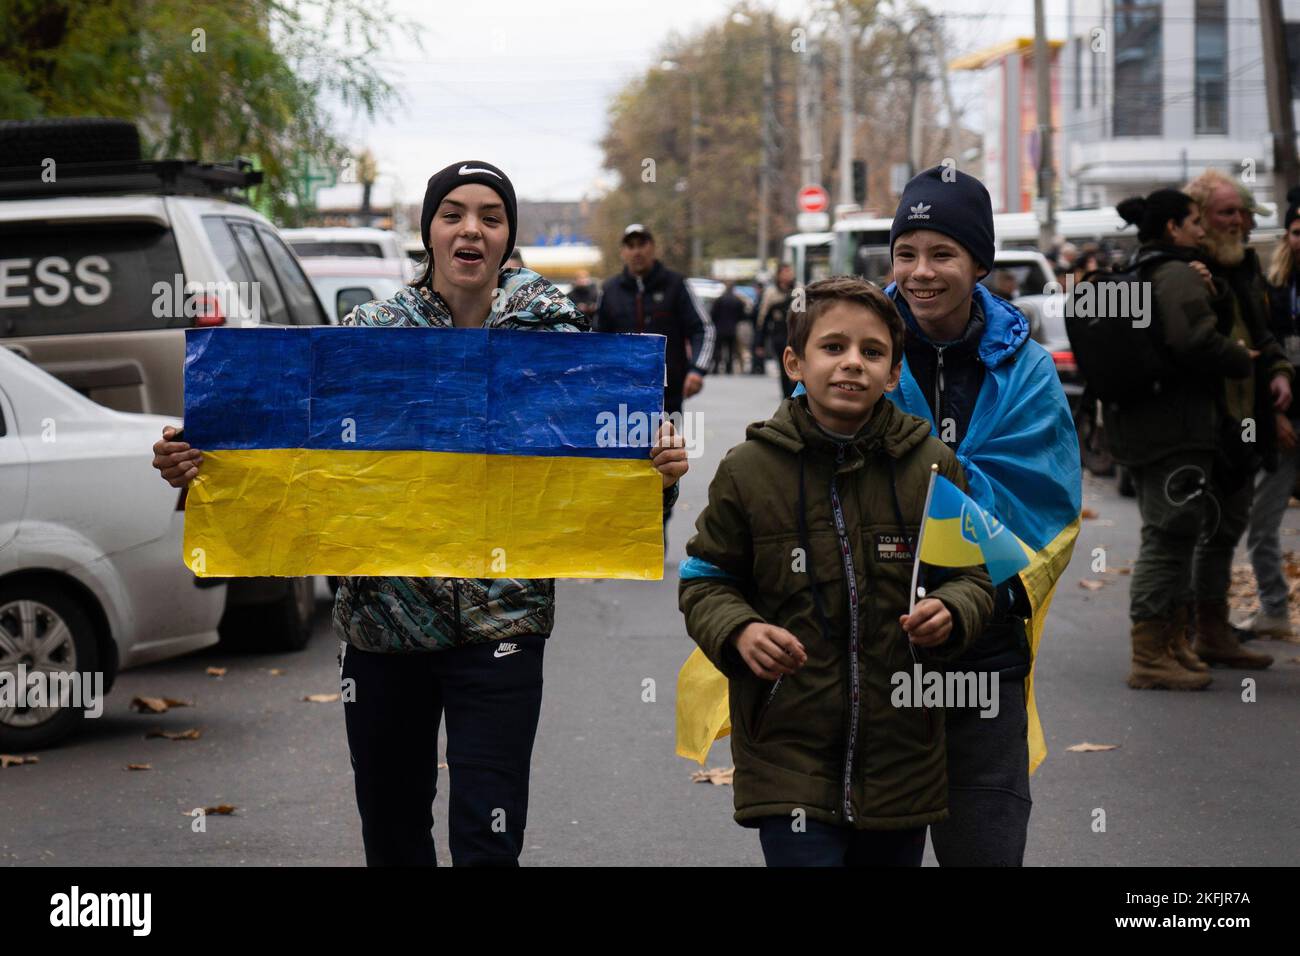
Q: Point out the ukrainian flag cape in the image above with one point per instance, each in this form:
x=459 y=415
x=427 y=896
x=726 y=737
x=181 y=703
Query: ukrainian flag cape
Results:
x=1021 y=457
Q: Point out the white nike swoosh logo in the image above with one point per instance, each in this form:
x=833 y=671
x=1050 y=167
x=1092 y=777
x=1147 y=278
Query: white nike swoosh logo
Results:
x=467 y=170
x=507 y=653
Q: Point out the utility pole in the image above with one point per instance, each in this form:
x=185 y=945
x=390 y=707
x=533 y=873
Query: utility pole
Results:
x=692 y=180
x=846 y=107
x=808 y=96
x=914 y=80
x=1281 y=119
x=764 y=166
x=1046 y=178
x=940 y=47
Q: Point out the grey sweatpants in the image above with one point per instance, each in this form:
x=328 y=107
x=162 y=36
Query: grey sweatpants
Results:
x=988 y=784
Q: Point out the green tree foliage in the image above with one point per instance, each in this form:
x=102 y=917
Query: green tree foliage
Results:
x=203 y=79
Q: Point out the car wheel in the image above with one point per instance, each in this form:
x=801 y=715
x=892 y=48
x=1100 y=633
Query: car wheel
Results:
x=1093 y=452
x=284 y=624
x=46 y=630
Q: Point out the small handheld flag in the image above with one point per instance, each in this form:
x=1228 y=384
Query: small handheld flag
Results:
x=958 y=533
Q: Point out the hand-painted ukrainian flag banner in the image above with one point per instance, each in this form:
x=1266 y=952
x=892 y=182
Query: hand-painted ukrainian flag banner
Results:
x=423 y=452
x=958 y=533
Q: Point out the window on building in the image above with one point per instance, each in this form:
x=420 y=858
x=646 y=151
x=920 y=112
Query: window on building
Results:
x=1211 y=66
x=1293 y=57
x=1077 y=72
x=1139 y=65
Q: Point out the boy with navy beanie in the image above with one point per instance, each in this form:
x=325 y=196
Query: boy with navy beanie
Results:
x=993 y=396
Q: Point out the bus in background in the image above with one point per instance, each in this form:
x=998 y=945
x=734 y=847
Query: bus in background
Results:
x=810 y=255
x=861 y=243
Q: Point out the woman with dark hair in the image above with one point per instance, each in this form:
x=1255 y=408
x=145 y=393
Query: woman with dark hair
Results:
x=1169 y=438
x=470 y=649
x=1273 y=490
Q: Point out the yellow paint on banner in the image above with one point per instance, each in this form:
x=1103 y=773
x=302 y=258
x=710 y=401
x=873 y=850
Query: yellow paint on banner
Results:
x=296 y=512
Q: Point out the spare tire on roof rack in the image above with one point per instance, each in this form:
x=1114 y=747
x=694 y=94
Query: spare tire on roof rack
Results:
x=72 y=140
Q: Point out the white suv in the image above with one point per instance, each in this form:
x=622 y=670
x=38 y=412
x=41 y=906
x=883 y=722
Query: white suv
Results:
x=98 y=272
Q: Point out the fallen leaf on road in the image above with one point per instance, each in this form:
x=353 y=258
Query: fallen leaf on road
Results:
x=1125 y=570
x=191 y=734
x=216 y=672
x=1087 y=513
x=1087 y=748
x=276 y=672
x=156 y=705
x=139 y=766
x=718 y=776
x=1091 y=584
x=223 y=810
x=321 y=698
x=7 y=760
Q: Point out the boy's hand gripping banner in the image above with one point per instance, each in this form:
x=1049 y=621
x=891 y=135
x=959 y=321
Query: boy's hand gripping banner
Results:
x=423 y=453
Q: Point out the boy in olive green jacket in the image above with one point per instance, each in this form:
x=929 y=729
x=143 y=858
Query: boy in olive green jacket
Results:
x=797 y=588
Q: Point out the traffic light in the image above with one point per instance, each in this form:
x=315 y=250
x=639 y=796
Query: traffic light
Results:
x=859 y=181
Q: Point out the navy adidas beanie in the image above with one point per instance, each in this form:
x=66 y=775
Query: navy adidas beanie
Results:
x=458 y=174
x=951 y=202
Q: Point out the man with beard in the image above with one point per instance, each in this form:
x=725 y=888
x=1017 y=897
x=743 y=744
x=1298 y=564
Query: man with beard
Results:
x=1248 y=438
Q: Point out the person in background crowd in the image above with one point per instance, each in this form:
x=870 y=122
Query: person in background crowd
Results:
x=1250 y=208
x=1162 y=460
x=1251 y=400
x=746 y=329
x=649 y=297
x=727 y=312
x=584 y=294
x=772 y=334
x=1088 y=260
x=1003 y=284
x=1273 y=490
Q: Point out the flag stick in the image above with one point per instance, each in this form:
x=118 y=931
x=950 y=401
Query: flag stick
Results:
x=916 y=558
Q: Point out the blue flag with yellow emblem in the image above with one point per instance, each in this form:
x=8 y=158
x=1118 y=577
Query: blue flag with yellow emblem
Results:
x=958 y=533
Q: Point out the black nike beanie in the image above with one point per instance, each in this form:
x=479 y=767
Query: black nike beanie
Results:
x=951 y=202
x=458 y=174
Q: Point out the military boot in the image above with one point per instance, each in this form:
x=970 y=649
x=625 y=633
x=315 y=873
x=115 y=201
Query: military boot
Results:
x=1180 y=647
x=1215 y=644
x=1154 y=666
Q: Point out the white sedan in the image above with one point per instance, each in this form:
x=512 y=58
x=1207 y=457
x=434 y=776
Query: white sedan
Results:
x=91 y=576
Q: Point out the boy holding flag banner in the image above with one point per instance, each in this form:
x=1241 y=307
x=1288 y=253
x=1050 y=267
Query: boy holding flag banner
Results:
x=796 y=586
x=992 y=395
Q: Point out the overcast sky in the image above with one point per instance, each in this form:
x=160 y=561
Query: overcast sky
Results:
x=526 y=84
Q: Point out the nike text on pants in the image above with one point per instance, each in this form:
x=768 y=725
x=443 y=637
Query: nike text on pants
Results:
x=491 y=695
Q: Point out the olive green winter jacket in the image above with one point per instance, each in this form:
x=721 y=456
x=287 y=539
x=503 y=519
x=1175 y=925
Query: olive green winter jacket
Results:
x=828 y=740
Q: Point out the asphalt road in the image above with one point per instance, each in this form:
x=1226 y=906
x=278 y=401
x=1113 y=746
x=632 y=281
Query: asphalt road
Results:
x=1201 y=778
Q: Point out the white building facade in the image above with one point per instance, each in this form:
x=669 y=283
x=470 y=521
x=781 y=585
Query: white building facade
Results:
x=1153 y=92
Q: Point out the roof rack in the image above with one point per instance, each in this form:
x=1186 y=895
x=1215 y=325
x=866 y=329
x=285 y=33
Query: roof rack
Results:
x=165 y=177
